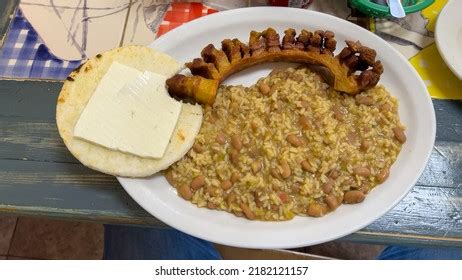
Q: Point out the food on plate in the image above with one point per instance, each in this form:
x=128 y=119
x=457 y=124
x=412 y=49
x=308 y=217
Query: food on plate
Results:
x=352 y=71
x=115 y=115
x=130 y=111
x=289 y=145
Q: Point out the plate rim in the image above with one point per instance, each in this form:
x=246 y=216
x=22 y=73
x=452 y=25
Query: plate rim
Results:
x=131 y=190
x=441 y=44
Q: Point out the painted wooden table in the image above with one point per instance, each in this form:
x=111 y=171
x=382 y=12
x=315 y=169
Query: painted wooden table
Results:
x=39 y=177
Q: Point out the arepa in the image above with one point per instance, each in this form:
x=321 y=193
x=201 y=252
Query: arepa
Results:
x=77 y=91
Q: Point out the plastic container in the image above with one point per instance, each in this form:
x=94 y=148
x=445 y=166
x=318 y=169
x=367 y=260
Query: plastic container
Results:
x=290 y=3
x=377 y=10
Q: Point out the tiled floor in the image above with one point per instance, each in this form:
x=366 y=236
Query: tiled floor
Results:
x=53 y=239
x=7 y=226
x=38 y=238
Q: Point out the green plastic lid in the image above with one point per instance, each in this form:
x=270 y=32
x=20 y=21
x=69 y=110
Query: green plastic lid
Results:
x=370 y=8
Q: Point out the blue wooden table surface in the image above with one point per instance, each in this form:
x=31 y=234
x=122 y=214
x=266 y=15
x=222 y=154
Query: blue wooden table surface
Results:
x=39 y=177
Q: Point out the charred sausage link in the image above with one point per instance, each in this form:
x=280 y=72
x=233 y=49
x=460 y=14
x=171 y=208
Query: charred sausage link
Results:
x=353 y=70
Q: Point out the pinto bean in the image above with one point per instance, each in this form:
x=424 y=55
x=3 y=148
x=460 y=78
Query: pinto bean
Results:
x=306 y=165
x=383 y=175
x=236 y=141
x=283 y=196
x=399 y=134
x=198 y=182
x=365 y=144
x=231 y=198
x=331 y=201
x=226 y=185
x=198 y=148
x=264 y=88
x=364 y=100
x=354 y=196
x=304 y=122
x=211 y=205
x=254 y=126
x=234 y=157
x=339 y=113
x=235 y=177
x=362 y=171
x=316 y=210
x=386 y=107
x=221 y=138
x=275 y=173
x=334 y=174
x=327 y=186
x=249 y=214
x=294 y=140
x=285 y=170
x=185 y=191
x=169 y=176
x=213 y=191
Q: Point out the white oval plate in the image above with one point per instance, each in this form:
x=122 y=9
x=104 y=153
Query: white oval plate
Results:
x=416 y=111
x=448 y=36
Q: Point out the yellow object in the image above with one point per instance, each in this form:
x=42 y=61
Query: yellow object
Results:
x=440 y=81
x=431 y=13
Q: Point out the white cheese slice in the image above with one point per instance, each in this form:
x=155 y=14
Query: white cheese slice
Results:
x=130 y=112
